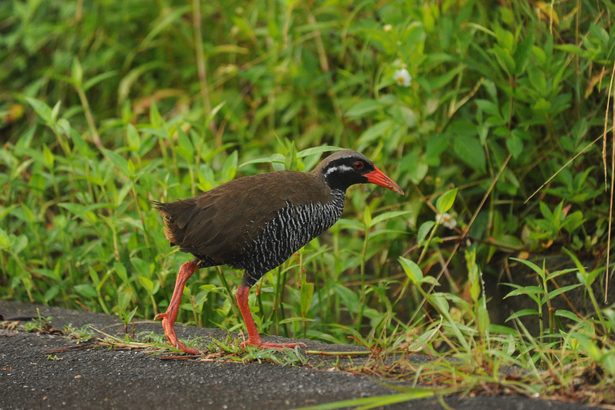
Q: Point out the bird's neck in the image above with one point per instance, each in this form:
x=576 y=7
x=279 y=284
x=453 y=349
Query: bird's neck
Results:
x=333 y=181
x=337 y=193
x=337 y=200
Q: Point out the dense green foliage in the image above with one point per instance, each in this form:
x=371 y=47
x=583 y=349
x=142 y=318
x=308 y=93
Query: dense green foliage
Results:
x=105 y=106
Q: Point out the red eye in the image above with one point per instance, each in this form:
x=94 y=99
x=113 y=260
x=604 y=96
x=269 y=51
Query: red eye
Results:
x=358 y=165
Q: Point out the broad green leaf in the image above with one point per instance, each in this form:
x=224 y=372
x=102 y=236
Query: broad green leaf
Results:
x=184 y=146
x=229 y=168
x=509 y=241
x=525 y=290
x=55 y=111
x=362 y=108
x=588 y=346
x=42 y=109
x=272 y=159
x=430 y=280
x=586 y=278
x=424 y=230
x=469 y=149
x=493 y=328
x=375 y=131
x=442 y=80
x=20 y=242
x=147 y=284
x=85 y=290
x=531 y=265
x=77 y=72
x=141 y=267
x=446 y=200
x=488 y=107
x=132 y=137
x=482 y=317
x=417 y=171
x=51 y=293
x=608 y=362
x=412 y=270
x=367 y=216
x=120 y=269
x=48 y=157
x=505 y=38
x=567 y=314
x=561 y=290
x=5 y=242
x=515 y=145
x=438 y=301
x=84 y=212
x=388 y=215
x=119 y=161
x=522 y=53
x=157 y=121
x=573 y=221
x=80 y=144
x=505 y=59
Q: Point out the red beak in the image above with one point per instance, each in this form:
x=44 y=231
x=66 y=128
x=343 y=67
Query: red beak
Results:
x=379 y=178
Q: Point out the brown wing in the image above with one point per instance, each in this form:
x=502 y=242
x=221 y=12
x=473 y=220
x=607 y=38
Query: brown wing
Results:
x=219 y=222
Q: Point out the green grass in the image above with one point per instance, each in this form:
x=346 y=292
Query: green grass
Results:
x=491 y=118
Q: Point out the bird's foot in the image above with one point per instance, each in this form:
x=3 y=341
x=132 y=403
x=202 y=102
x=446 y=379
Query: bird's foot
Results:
x=269 y=345
x=169 y=332
x=188 y=350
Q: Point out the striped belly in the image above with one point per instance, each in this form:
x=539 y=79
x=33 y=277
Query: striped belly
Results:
x=287 y=232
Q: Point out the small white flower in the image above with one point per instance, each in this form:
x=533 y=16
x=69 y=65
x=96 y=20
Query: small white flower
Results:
x=447 y=220
x=402 y=77
x=387 y=27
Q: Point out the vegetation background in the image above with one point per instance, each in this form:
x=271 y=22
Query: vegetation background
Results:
x=496 y=117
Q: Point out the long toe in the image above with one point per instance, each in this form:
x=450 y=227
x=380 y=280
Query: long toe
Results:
x=186 y=349
x=169 y=332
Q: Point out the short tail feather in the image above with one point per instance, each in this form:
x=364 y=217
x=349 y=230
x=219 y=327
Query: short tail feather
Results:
x=176 y=216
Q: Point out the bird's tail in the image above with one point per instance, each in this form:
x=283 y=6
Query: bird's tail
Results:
x=176 y=216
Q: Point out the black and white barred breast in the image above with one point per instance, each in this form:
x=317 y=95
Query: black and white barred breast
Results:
x=291 y=228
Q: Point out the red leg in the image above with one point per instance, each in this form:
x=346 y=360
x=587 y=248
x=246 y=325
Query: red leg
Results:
x=168 y=318
x=254 y=338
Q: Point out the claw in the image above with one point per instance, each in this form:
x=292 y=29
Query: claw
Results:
x=254 y=338
x=169 y=332
x=179 y=345
x=161 y=316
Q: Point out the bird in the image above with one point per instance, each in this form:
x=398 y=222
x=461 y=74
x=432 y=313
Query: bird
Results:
x=255 y=223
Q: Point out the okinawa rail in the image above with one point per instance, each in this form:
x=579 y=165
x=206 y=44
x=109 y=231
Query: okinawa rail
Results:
x=255 y=223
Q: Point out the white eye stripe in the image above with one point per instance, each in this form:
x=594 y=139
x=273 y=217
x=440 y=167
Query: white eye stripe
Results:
x=339 y=168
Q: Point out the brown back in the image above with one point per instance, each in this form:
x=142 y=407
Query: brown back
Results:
x=218 y=223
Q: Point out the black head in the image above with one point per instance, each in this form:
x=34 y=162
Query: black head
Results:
x=345 y=168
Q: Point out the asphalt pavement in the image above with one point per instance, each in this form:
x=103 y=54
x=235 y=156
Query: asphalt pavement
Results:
x=51 y=370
